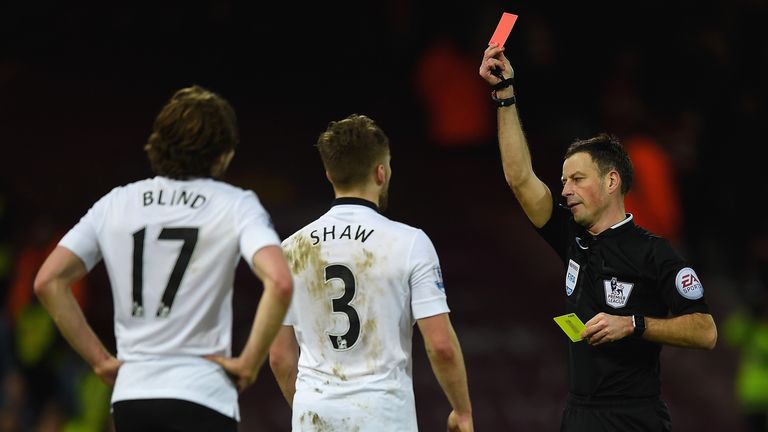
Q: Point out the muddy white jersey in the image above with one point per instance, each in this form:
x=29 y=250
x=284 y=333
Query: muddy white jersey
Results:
x=171 y=248
x=360 y=283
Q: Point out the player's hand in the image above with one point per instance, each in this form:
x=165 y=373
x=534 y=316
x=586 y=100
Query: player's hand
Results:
x=604 y=328
x=493 y=57
x=238 y=371
x=107 y=370
x=460 y=422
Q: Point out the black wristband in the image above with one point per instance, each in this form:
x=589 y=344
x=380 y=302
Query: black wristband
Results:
x=500 y=103
x=638 y=321
x=504 y=83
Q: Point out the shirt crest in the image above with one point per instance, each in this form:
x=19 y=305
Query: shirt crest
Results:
x=617 y=292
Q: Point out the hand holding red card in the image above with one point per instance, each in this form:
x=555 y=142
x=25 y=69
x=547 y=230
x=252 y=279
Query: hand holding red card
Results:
x=500 y=36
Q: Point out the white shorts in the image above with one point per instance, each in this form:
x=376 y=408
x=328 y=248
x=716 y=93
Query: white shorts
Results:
x=362 y=412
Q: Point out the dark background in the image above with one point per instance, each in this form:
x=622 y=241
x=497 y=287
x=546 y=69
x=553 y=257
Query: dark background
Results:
x=80 y=85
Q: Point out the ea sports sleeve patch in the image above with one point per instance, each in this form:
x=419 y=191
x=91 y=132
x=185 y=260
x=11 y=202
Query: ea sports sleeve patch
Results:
x=688 y=284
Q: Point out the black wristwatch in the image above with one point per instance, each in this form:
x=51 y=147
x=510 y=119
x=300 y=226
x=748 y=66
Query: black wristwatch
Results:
x=638 y=321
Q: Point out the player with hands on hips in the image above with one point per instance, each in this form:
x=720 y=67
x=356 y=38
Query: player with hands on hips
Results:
x=171 y=245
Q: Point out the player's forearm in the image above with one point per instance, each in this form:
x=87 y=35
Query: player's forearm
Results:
x=448 y=365
x=268 y=320
x=56 y=297
x=285 y=375
x=284 y=362
x=696 y=330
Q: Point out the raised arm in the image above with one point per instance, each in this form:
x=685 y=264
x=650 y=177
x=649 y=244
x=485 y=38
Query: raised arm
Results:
x=533 y=195
x=447 y=362
x=52 y=287
x=271 y=267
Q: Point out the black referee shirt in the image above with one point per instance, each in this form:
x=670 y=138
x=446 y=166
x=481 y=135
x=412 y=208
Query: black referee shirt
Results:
x=624 y=270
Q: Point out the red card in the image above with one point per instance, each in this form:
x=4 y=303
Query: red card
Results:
x=503 y=29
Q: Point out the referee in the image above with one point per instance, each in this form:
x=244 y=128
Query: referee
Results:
x=631 y=288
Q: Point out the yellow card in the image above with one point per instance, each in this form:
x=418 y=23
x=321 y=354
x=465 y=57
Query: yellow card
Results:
x=571 y=325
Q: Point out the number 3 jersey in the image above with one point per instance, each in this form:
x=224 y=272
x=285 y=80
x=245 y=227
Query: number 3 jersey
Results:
x=360 y=283
x=171 y=248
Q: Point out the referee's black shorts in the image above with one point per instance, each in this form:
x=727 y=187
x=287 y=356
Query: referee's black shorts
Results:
x=628 y=415
x=168 y=415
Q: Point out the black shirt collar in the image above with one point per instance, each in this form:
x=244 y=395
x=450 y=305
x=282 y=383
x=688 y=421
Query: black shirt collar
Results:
x=354 y=201
x=627 y=223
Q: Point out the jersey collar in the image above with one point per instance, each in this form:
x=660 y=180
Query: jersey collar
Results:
x=354 y=201
x=620 y=227
x=616 y=229
x=628 y=217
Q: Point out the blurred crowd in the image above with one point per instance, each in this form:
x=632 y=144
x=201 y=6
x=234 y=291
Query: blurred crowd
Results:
x=683 y=84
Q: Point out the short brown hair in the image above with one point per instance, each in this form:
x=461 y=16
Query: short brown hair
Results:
x=608 y=153
x=350 y=148
x=193 y=129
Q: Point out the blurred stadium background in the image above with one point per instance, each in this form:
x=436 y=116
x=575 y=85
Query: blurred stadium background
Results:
x=684 y=82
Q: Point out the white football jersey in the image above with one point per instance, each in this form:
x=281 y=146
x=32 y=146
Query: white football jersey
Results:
x=171 y=248
x=360 y=283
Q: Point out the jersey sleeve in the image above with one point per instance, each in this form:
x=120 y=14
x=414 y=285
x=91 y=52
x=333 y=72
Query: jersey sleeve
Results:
x=681 y=287
x=290 y=317
x=555 y=231
x=426 y=279
x=254 y=227
x=83 y=238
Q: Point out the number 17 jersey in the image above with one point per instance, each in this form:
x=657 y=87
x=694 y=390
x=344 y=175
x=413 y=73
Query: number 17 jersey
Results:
x=360 y=283
x=171 y=248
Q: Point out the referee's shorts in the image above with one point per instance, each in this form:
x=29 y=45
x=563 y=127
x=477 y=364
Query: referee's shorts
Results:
x=625 y=415
x=162 y=415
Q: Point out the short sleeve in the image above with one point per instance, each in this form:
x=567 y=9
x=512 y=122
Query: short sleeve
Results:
x=290 y=315
x=83 y=238
x=681 y=287
x=555 y=231
x=426 y=279
x=254 y=226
